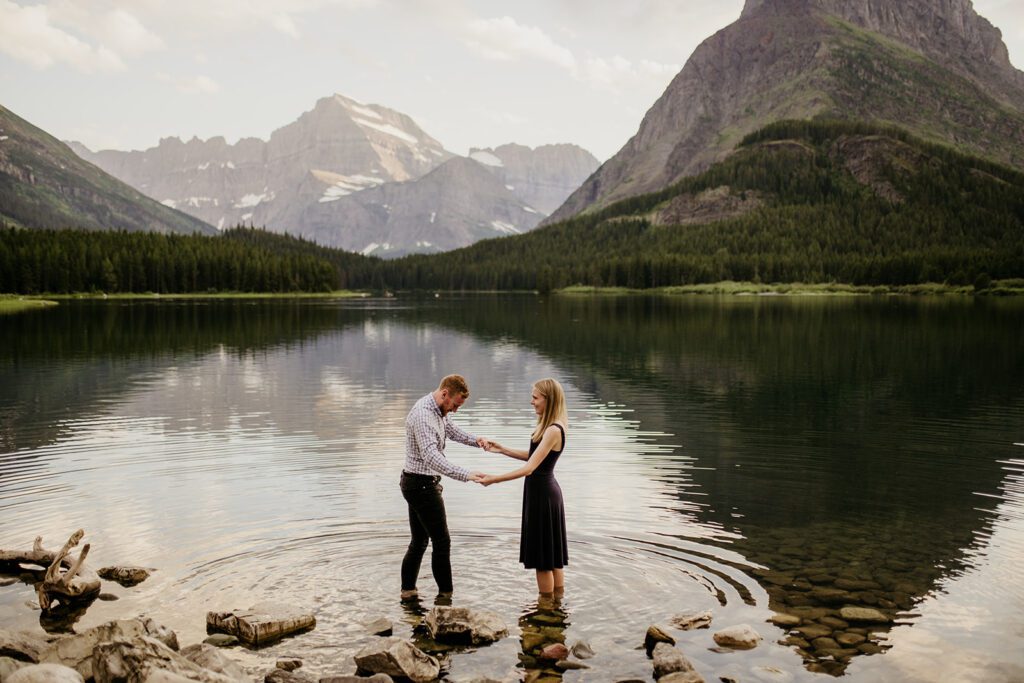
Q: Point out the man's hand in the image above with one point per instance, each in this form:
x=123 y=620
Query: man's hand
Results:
x=483 y=443
x=476 y=476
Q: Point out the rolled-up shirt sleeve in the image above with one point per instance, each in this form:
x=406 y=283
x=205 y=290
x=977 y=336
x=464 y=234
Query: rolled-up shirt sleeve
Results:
x=426 y=438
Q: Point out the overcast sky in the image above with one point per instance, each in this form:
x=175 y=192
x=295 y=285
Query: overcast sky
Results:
x=124 y=73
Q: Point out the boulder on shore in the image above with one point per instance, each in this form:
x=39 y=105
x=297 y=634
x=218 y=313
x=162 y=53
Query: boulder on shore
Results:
x=76 y=651
x=398 y=658
x=141 y=659
x=670 y=661
x=44 y=673
x=741 y=637
x=260 y=624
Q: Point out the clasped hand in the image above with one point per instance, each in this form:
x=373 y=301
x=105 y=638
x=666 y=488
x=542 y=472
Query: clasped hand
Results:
x=483 y=479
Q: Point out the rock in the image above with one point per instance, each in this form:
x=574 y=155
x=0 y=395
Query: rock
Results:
x=833 y=623
x=581 y=650
x=376 y=678
x=687 y=622
x=138 y=659
x=44 y=673
x=25 y=646
x=126 y=576
x=786 y=620
x=77 y=651
x=289 y=663
x=381 y=626
x=221 y=640
x=864 y=614
x=669 y=660
x=870 y=648
x=812 y=631
x=655 y=635
x=210 y=657
x=682 y=677
x=740 y=637
x=7 y=582
x=825 y=644
x=276 y=675
x=108 y=597
x=830 y=596
x=567 y=664
x=554 y=651
x=856 y=585
x=532 y=641
x=281 y=676
x=463 y=625
x=261 y=624
x=9 y=666
x=849 y=639
x=397 y=657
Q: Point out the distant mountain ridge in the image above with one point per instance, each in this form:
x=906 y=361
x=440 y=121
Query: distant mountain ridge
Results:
x=327 y=176
x=44 y=184
x=935 y=68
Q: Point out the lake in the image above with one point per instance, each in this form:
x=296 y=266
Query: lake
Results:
x=751 y=456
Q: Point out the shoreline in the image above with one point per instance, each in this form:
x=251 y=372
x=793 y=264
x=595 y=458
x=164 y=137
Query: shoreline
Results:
x=731 y=288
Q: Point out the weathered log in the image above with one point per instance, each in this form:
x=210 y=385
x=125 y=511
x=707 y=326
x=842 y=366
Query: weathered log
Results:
x=76 y=581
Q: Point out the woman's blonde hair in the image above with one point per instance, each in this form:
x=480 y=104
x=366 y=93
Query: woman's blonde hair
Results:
x=554 y=406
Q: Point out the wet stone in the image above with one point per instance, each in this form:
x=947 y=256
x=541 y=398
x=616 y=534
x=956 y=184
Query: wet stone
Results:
x=830 y=596
x=863 y=614
x=581 y=650
x=812 y=631
x=870 y=648
x=221 y=640
x=825 y=644
x=567 y=664
x=856 y=585
x=834 y=622
x=849 y=639
x=108 y=597
x=655 y=634
x=785 y=620
x=796 y=641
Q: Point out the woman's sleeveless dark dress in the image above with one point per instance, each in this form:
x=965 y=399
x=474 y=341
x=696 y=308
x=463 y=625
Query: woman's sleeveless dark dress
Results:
x=542 y=542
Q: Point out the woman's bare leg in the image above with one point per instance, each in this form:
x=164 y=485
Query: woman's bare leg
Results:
x=559 y=577
x=545 y=581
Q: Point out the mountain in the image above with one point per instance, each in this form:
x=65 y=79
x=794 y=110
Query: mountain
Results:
x=933 y=67
x=456 y=204
x=310 y=179
x=360 y=145
x=543 y=177
x=44 y=184
x=798 y=201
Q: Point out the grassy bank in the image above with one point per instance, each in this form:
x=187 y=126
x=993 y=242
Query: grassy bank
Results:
x=997 y=288
x=17 y=304
x=151 y=296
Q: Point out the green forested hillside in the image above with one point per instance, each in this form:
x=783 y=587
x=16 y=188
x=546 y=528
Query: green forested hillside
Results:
x=797 y=202
x=241 y=260
x=823 y=201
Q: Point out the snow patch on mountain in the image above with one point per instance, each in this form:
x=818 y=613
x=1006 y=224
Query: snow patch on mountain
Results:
x=388 y=129
x=507 y=228
x=486 y=158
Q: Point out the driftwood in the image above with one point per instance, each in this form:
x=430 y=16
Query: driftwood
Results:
x=76 y=581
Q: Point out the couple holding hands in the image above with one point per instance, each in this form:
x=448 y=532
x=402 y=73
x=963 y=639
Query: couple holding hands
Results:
x=542 y=542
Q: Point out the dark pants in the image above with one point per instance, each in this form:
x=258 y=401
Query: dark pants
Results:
x=428 y=523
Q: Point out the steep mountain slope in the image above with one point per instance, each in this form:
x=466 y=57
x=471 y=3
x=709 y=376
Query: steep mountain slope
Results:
x=43 y=184
x=933 y=67
x=543 y=177
x=454 y=205
x=796 y=202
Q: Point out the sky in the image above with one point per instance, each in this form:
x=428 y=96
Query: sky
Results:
x=121 y=74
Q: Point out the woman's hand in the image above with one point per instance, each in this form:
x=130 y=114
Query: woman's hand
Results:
x=493 y=447
x=488 y=479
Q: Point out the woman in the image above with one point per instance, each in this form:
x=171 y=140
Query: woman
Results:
x=542 y=541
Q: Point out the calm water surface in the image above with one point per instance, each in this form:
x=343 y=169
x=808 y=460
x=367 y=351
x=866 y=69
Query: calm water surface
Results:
x=751 y=457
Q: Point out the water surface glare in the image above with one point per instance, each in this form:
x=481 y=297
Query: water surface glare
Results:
x=757 y=457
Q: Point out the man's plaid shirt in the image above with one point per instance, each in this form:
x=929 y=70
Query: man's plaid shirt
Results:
x=425 y=434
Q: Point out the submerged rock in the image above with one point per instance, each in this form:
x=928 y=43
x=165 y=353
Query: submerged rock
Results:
x=381 y=626
x=864 y=614
x=687 y=622
x=463 y=625
x=581 y=650
x=261 y=624
x=126 y=576
x=210 y=657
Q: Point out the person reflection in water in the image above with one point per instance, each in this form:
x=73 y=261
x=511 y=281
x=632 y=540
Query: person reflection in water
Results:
x=426 y=428
x=542 y=542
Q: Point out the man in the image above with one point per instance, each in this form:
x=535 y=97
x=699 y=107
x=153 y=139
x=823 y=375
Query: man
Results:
x=426 y=428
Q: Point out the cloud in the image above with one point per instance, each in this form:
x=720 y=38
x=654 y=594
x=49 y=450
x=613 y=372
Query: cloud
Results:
x=504 y=39
x=30 y=35
x=192 y=85
x=618 y=74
